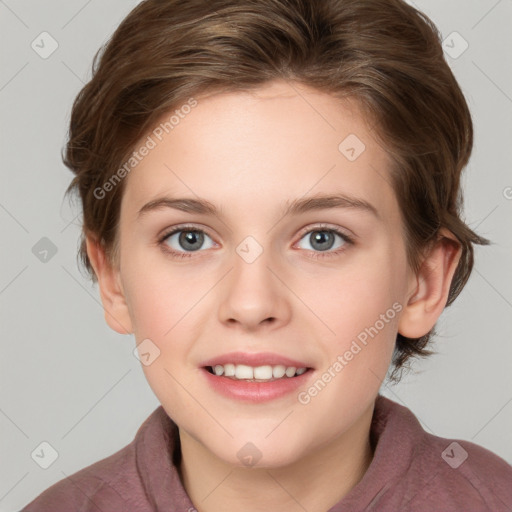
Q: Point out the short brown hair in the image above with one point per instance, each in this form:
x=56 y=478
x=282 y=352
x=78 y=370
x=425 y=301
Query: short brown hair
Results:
x=384 y=53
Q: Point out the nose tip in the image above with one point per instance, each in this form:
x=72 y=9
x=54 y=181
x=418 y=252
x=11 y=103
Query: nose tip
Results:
x=253 y=297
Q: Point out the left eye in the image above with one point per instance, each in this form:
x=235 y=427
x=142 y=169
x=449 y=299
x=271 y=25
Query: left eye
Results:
x=323 y=239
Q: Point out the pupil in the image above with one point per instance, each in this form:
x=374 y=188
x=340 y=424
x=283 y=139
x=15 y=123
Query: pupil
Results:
x=189 y=238
x=321 y=237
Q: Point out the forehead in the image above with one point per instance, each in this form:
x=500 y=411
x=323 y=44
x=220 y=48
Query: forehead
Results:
x=253 y=149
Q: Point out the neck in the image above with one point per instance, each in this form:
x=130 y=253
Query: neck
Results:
x=315 y=482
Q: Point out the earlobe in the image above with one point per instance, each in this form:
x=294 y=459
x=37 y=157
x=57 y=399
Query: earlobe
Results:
x=111 y=291
x=429 y=295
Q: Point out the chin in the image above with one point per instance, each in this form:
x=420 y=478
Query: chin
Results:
x=256 y=451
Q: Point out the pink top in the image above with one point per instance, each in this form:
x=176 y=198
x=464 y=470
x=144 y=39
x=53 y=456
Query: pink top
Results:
x=411 y=470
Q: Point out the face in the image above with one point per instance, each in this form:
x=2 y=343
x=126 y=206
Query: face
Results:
x=267 y=279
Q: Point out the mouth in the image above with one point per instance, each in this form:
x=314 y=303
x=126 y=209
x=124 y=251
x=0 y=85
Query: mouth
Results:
x=264 y=373
x=256 y=378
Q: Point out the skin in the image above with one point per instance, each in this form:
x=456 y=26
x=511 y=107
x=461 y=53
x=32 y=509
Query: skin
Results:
x=249 y=154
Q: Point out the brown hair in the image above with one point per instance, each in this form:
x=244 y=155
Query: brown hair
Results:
x=384 y=53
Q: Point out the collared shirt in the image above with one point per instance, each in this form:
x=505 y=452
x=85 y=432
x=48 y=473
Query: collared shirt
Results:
x=411 y=470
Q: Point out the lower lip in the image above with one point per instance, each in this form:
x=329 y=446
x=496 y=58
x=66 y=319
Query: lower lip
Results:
x=255 y=392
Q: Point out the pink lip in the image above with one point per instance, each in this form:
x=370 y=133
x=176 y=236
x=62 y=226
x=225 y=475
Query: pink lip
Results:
x=259 y=359
x=255 y=392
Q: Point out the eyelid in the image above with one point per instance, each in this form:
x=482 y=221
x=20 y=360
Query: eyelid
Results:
x=183 y=227
x=328 y=227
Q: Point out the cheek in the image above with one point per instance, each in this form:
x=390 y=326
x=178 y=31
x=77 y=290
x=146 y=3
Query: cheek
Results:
x=159 y=294
x=152 y=308
x=359 y=291
x=358 y=307
x=162 y=306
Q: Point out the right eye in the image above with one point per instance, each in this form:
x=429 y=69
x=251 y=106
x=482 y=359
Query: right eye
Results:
x=184 y=240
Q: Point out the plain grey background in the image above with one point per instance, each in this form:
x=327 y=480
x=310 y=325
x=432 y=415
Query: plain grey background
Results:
x=68 y=380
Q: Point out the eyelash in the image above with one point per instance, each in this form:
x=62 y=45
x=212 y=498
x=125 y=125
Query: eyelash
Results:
x=314 y=254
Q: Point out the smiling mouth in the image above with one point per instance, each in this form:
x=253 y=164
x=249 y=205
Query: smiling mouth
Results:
x=264 y=373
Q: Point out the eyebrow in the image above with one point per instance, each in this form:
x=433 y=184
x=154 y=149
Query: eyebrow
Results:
x=295 y=207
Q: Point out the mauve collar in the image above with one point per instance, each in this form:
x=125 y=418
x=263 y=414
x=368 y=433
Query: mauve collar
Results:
x=158 y=454
x=157 y=451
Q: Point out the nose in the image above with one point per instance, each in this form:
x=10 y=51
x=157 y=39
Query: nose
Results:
x=253 y=296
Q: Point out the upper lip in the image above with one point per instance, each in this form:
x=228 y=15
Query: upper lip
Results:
x=257 y=359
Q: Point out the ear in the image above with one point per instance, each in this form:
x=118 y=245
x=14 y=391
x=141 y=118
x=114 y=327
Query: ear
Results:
x=430 y=287
x=111 y=291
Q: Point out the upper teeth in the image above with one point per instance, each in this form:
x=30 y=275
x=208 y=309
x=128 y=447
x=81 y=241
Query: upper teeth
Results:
x=242 y=371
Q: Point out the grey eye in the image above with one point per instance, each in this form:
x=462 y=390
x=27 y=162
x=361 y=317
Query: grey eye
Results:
x=322 y=239
x=188 y=240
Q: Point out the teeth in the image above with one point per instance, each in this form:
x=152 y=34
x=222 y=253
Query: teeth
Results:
x=263 y=372
x=229 y=370
x=244 y=372
x=266 y=372
x=290 y=372
x=278 y=371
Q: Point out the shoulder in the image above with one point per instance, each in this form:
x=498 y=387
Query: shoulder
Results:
x=448 y=474
x=95 y=484
x=109 y=484
x=460 y=473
